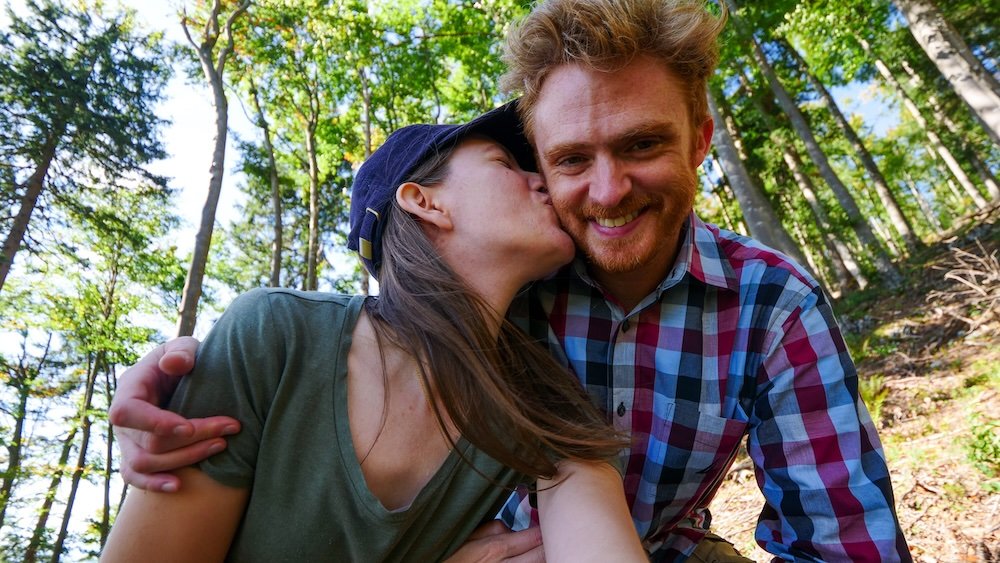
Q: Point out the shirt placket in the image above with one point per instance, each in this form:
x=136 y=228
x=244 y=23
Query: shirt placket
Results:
x=621 y=374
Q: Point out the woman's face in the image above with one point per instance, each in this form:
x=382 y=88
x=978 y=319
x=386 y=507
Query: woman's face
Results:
x=501 y=212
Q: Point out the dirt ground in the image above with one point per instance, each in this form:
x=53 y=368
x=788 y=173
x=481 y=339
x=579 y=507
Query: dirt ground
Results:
x=929 y=362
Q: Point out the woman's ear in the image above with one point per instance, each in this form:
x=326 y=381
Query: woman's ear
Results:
x=420 y=201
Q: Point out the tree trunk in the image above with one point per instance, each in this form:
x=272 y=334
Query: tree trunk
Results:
x=970 y=152
x=882 y=231
x=38 y=535
x=312 y=259
x=758 y=212
x=716 y=179
x=841 y=259
x=109 y=456
x=935 y=141
x=858 y=222
x=81 y=458
x=899 y=220
x=955 y=193
x=277 y=242
x=708 y=183
x=988 y=178
x=203 y=239
x=955 y=61
x=725 y=191
x=925 y=207
x=844 y=258
x=213 y=72
x=835 y=286
x=35 y=185
x=15 y=447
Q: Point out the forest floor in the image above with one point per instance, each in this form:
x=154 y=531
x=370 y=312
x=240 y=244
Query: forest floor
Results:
x=929 y=363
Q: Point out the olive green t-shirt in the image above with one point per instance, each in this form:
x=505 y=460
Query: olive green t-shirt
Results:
x=277 y=362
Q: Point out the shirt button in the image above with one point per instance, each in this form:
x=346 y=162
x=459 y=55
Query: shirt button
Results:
x=621 y=409
x=625 y=325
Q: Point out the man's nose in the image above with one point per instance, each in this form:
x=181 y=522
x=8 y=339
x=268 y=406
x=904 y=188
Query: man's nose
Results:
x=610 y=183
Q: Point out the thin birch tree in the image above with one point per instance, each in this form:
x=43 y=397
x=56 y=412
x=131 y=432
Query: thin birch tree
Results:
x=213 y=48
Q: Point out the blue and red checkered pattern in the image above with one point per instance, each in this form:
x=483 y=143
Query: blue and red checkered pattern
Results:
x=736 y=341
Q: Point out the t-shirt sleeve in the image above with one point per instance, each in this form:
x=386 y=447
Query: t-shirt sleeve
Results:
x=237 y=371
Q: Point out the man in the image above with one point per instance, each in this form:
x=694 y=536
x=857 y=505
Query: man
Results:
x=689 y=336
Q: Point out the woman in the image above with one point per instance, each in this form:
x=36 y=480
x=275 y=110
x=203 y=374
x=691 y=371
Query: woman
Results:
x=389 y=428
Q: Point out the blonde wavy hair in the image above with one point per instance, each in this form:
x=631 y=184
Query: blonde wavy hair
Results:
x=606 y=35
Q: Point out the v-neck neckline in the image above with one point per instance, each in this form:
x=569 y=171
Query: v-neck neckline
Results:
x=345 y=441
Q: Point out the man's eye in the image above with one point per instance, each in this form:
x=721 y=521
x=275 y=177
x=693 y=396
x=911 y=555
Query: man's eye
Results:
x=644 y=144
x=569 y=161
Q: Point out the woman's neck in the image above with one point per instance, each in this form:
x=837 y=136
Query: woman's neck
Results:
x=496 y=286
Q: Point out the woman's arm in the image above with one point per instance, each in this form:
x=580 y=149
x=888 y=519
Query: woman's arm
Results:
x=584 y=516
x=195 y=524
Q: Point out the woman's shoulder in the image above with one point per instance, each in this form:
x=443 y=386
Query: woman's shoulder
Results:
x=290 y=309
x=280 y=297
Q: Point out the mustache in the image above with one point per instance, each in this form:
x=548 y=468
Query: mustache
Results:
x=632 y=204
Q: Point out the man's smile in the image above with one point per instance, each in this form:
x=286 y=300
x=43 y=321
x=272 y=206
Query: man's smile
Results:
x=616 y=221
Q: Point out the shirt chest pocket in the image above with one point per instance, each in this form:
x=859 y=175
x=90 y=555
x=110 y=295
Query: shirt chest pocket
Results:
x=686 y=454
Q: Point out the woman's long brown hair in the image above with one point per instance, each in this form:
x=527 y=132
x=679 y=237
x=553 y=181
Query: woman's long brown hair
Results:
x=505 y=394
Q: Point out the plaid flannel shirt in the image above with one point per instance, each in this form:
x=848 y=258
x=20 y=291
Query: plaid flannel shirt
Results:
x=737 y=340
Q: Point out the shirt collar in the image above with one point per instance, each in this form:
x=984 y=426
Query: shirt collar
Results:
x=702 y=256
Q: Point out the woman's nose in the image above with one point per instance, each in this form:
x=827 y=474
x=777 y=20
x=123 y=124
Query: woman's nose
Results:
x=535 y=181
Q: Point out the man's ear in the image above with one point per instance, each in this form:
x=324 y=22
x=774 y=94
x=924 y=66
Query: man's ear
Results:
x=420 y=201
x=703 y=140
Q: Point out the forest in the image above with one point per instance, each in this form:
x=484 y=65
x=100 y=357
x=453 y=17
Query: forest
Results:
x=861 y=137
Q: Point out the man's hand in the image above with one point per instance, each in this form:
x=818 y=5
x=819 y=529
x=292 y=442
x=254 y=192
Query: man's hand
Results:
x=152 y=440
x=493 y=541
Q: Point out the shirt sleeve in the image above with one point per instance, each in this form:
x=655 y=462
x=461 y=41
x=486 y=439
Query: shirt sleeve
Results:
x=817 y=455
x=237 y=371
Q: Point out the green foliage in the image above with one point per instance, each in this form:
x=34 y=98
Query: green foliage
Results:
x=78 y=87
x=77 y=91
x=983 y=373
x=359 y=71
x=873 y=392
x=983 y=447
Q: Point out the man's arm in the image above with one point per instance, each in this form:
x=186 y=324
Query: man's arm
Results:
x=816 y=451
x=152 y=440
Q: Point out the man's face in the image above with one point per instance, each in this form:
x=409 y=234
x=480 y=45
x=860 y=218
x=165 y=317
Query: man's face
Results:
x=619 y=155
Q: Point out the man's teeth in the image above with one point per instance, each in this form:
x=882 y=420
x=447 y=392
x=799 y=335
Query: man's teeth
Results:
x=617 y=221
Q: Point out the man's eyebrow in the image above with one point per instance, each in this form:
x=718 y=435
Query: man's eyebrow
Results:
x=665 y=130
x=563 y=148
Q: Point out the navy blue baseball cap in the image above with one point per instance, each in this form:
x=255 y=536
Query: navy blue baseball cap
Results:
x=392 y=164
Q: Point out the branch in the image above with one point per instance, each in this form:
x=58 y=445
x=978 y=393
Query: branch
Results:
x=224 y=53
x=184 y=26
x=212 y=23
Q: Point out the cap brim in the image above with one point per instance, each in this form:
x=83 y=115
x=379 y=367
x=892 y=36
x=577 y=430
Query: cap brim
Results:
x=503 y=125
